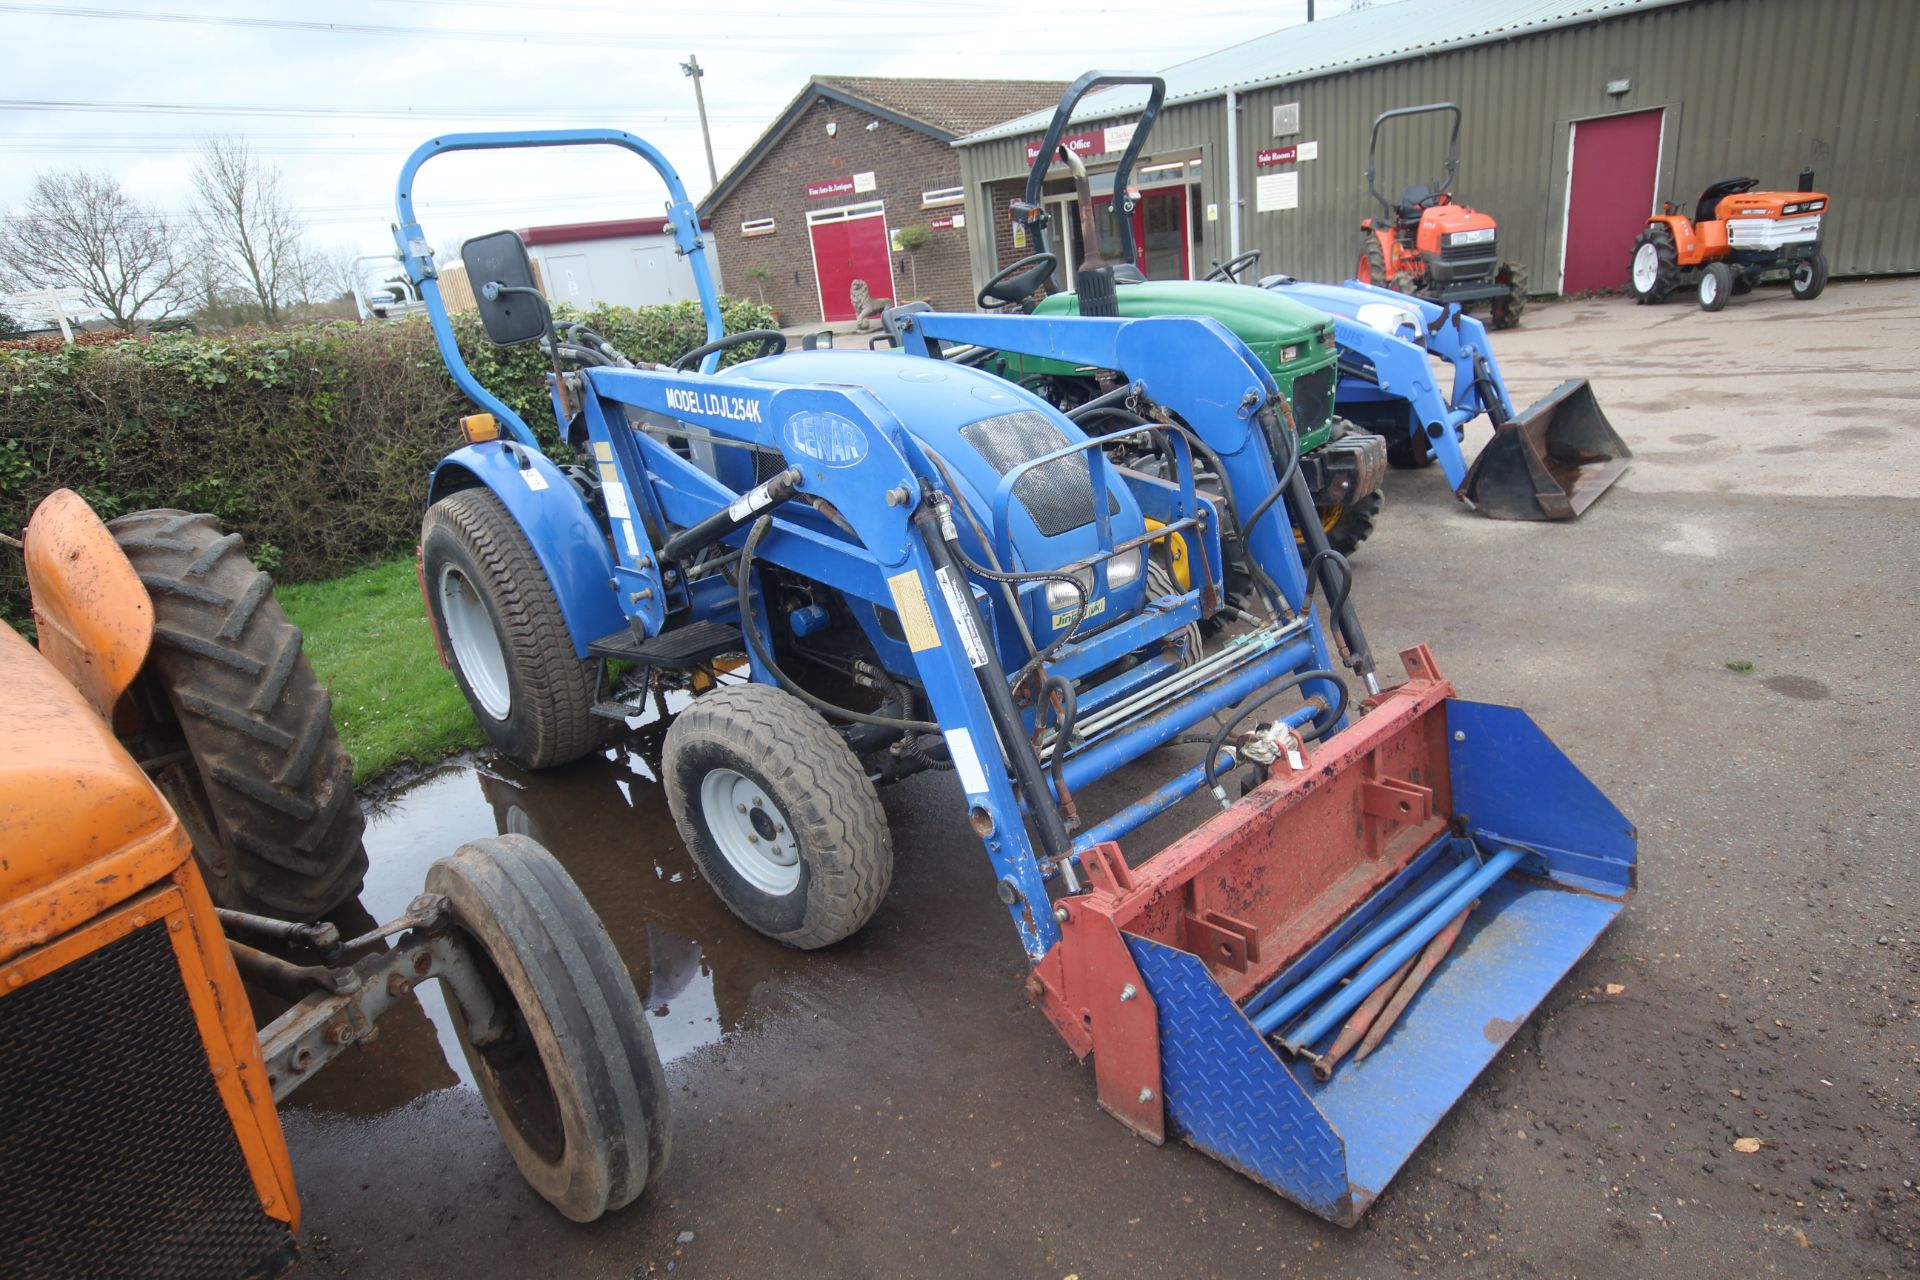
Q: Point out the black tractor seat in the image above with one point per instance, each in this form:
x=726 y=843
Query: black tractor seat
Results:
x=1711 y=197
x=1412 y=200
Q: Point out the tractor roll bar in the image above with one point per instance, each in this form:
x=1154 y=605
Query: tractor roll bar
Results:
x=1453 y=146
x=1122 y=207
x=417 y=254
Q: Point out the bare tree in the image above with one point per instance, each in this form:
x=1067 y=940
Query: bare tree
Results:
x=249 y=227
x=82 y=230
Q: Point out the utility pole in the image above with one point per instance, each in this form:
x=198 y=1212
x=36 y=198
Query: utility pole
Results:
x=691 y=68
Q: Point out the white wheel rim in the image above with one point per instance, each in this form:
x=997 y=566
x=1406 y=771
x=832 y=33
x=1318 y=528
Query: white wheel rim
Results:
x=1803 y=276
x=1709 y=287
x=1646 y=268
x=476 y=646
x=753 y=835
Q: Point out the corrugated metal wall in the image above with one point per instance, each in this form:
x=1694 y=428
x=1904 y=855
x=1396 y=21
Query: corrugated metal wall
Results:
x=1759 y=87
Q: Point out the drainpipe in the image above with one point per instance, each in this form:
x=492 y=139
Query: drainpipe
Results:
x=1233 y=174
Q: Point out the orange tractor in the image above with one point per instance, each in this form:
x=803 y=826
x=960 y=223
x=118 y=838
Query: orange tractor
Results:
x=140 y=1133
x=1429 y=245
x=1736 y=236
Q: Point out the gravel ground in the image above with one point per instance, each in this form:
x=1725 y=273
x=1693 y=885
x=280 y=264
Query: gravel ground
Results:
x=1725 y=643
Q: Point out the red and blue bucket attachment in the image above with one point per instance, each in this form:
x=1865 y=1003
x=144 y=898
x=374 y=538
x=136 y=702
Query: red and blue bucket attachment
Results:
x=1445 y=843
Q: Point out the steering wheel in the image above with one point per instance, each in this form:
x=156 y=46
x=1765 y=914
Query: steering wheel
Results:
x=1230 y=269
x=771 y=342
x=1012 y=285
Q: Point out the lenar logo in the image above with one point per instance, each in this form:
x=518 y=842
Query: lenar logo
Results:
x=826 y=438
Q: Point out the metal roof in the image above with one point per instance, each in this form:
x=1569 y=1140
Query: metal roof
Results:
x=1365 y=37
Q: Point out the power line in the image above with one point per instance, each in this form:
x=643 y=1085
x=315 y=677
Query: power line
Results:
x=624 y=110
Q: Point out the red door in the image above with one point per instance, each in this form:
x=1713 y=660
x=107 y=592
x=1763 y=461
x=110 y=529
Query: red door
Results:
x=1615 y=162
x=849 y=246
x=1160 y=245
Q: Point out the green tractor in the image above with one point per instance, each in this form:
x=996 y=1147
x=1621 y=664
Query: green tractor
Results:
x=1343 y=465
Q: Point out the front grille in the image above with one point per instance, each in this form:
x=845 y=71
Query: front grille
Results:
x=1312 y=398
x=1486 y=252
x=117 y=1156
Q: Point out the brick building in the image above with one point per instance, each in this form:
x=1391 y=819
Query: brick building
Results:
x=821 y=198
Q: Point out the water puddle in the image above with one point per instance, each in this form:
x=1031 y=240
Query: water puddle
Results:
x=697 y=968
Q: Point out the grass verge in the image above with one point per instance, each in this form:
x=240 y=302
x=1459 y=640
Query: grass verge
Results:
x=368 y=639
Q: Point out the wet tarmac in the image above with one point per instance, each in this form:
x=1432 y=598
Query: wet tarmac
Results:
x=895 y=1106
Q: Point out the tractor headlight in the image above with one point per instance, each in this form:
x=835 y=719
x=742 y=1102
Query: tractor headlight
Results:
x=1395 y=322
x=1482 y=236
x=1122 y=570
x=1061 y=595
x=1289 y=354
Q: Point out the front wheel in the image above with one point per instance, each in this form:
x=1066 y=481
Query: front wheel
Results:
x=775 y=808
x=1809 y=277
x=1716 y=285
x=1505 y=312
x=574 y=1083
x=500 y=625
x=1351 y=524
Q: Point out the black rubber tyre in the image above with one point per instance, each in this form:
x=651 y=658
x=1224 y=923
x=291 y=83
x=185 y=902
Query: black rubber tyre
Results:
x=575 y=1084
x=537 y=705
x=1742 y=284
x=751 y=769
x=1409 y=453
x=1505 y=312
x=1373 y=259
x=1160 y=583
x=1655 y=287
x=1353 y=523
x=264 y=788
x=1716 y=286
x=1809 y=277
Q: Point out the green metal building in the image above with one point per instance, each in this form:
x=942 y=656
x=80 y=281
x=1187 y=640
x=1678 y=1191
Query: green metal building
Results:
x=1581 y=116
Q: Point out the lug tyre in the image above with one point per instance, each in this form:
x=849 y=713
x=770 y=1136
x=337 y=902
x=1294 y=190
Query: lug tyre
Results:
x=1160 y=583
x=775 y=808
x=1351 y=524
x=500 y=625
x=1409 y=453
x=574 y=1084
x=263 y=787
x=1716 y=286
x=1655 y=270
x=1505 y=312
x=1809 y=277
x=1373 y=260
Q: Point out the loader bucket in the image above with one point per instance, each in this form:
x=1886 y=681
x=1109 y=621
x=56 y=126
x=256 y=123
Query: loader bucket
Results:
x=1166 y=971
x=1549 y=463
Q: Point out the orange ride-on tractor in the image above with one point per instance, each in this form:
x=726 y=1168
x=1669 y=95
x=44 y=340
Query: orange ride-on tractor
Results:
x=165 y=753
x=1736 y=236
x=1428 y=244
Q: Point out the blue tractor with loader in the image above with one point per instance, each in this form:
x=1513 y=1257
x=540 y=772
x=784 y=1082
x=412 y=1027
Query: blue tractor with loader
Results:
x=870 y=565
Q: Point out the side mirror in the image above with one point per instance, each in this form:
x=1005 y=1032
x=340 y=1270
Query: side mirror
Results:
x=511 y=308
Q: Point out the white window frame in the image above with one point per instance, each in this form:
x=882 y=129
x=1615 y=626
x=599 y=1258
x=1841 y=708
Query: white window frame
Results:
x=751 y=227
x=942 y=197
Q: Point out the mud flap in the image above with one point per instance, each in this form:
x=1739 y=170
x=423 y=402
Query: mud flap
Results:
x=1301 y=868
x=1549 y=463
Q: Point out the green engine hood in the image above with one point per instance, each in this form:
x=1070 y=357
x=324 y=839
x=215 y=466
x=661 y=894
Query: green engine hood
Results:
x=1256 y=316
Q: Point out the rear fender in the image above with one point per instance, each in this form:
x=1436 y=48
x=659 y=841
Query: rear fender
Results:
x=1689 y=247
x=93 y=614
x=565 y=537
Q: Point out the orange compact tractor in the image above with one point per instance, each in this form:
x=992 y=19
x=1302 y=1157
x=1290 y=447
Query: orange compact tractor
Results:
x=1736 y=236
x=1429 y=245
x=166 y=749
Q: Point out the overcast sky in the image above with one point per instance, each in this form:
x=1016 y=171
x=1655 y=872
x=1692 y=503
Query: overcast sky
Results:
x=338 y=93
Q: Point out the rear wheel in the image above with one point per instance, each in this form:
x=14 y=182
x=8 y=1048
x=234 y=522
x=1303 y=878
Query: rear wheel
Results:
x=775 y=808
x=1409 y=453
x=1656 y=264
x=500 y=625
x=1505 y=312
x=1716 y=285
x=574 y=1084
x=1372 y=268
x=263 y=787
x=1809 y=277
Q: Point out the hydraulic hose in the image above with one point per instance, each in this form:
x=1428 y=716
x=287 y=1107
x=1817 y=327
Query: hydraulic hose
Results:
x=1308 y=733
x=763 y=653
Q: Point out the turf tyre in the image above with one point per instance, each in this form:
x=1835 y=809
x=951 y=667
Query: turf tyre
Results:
x=1808 y=279
x=1716 y=286
x=265 y=789
x=575 y=1085
x=476 y=563
x=833 y=831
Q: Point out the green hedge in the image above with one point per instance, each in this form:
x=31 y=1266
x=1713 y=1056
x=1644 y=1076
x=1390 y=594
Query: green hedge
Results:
x=314 y=442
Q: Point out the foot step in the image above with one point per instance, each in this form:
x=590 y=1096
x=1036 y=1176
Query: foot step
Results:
x=680 y=649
